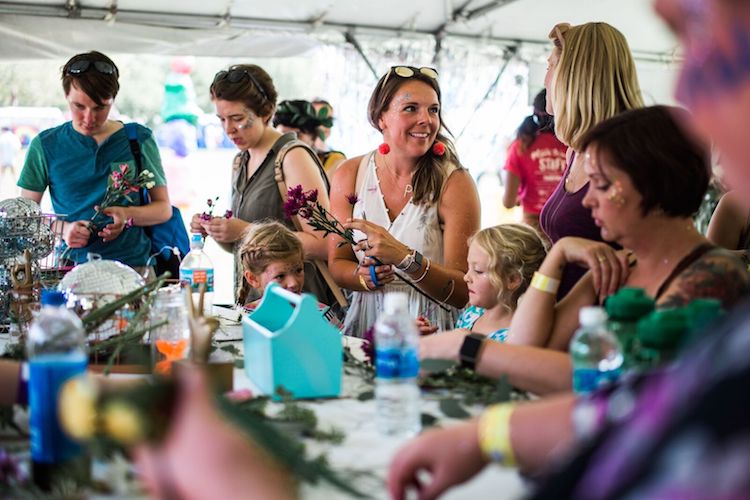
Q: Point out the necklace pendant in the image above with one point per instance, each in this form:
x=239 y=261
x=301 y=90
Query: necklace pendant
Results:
x=408 y=189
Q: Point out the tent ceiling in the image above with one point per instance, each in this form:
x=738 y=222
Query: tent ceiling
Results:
x=55 y=28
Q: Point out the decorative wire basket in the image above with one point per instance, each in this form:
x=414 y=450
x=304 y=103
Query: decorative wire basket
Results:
x=37 y=236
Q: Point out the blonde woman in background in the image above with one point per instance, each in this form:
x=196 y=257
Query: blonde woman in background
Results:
x=590 y=77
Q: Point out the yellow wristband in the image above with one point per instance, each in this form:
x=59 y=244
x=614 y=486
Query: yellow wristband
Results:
x=494 y=434
x=545 y=283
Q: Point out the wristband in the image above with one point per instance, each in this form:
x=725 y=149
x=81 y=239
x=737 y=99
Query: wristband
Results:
x=545 y=283
x=494 y=434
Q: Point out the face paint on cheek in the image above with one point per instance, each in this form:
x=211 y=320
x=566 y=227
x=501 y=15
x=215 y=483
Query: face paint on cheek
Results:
x=615 y=194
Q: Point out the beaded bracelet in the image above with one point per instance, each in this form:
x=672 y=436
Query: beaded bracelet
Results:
x=545 y=283
x=426 y=270
x=494 y=434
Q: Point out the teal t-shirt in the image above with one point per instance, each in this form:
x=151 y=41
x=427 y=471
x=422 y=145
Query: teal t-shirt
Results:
x=75 y=169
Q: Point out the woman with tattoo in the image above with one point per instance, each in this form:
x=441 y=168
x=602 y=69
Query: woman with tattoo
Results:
x=412 y=207
x=647 y=178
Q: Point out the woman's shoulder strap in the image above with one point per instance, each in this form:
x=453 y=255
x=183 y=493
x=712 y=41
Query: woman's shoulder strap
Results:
x=362 y=171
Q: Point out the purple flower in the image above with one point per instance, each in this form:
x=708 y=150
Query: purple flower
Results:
x=296 y=193
x=312 y=195
x=205 y=216
x=305 y=212
x=10 y=471
x=352 y=198
x=210 y=202
x=228 y=214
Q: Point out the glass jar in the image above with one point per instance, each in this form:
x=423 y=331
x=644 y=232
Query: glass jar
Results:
x=170 y=328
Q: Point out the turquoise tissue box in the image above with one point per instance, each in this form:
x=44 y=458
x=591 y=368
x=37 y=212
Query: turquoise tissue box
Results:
x=289 y=344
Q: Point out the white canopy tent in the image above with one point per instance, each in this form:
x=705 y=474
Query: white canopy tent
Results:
x=50 y=28
x=491 y=54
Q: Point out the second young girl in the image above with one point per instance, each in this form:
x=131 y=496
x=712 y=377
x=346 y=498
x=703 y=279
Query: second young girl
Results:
x=270 y=252
x=502 y=260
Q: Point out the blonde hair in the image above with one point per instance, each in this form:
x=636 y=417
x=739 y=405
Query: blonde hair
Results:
x=595 y=79
x=265 y=243
x=512 y=248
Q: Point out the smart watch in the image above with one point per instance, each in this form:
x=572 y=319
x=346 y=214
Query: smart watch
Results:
x=471 y=349
x=411 y=263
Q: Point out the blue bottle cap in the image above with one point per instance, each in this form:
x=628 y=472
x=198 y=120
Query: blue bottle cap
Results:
x=53 y=297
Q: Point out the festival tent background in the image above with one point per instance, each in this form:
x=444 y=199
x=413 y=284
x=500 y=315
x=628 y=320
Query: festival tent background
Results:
x=491 y=56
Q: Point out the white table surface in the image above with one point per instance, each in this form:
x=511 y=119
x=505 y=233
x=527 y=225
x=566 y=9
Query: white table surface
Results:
x=364 y=447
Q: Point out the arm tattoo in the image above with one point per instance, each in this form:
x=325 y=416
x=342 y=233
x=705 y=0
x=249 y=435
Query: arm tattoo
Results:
x=721 y=277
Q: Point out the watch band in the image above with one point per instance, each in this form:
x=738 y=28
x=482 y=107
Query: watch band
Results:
x=407 y=261
x=416 y=263
x=471 y=349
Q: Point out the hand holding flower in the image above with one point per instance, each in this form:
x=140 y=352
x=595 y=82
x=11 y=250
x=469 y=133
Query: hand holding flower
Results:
x=115 y=228
x=379 y=243
x=225 y=230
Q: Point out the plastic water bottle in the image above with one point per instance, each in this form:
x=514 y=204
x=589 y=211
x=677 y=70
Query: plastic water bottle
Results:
x=57 y=352
x=595 y=352
x=197 y=268
x=396 y=368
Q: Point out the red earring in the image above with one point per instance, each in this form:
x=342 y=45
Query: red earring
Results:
x=384 y=149
x=438 y=148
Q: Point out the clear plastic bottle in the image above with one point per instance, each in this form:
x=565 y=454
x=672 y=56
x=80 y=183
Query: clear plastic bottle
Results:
x=57 y=352
x=595 y=352
x=197 y=268
x=396 y=368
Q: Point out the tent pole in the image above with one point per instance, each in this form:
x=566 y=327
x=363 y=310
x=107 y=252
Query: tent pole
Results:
x=506 y=60
x=349 y=37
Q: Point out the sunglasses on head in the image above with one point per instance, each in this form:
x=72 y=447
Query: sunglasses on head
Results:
x=83 y=65
x=236 y=75
x=410 y=71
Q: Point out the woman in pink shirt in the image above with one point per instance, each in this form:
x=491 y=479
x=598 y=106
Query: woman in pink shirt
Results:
x=535 y=163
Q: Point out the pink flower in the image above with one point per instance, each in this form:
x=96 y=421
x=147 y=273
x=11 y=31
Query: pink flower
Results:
x=123 y=167
x=129 y=223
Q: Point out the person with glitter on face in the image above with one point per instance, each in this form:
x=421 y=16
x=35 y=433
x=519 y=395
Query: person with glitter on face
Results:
x=634 y=204
x=245 y=99
x=413 y=207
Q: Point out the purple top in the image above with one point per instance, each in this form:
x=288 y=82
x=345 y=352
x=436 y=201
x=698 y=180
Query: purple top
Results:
x=564 y=215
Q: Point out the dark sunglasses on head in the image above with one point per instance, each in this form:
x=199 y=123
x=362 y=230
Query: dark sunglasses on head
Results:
x=410 y=71
x=83 y=65
x=236 y=75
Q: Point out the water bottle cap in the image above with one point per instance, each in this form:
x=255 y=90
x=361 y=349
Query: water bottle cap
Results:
x=196 y=238
x=395 y=301
x=53 y=297
x=629 y=304
x=592 y=315
x=663 y=328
